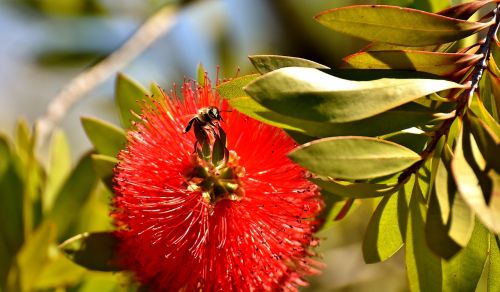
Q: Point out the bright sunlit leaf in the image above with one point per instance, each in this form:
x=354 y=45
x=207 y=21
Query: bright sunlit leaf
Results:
x=396 y=25
x=353 y=157
x=310 y=94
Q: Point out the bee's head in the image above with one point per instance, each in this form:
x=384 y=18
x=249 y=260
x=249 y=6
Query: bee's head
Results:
x=213 y=112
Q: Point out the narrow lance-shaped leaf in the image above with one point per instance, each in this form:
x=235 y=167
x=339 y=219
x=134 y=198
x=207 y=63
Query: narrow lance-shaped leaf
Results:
x=423 y=266
x=34 y=255
x=73 y=195
x=106 y=138
x=396 y=25
x=436 y=231
x=494 y=263
x=478 y=185
x=463 y=271
x=310 y=94
x=58 y=168
x=95 y=251
x=268 y=63
x=444 y=64
x=353 y=157
x=127 y=94
x=384 y=236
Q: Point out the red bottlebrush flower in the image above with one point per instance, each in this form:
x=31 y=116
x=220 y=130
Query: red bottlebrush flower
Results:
x=185 y=224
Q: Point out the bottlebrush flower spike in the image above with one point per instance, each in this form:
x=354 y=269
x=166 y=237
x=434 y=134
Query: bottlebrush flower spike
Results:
x=187 y=222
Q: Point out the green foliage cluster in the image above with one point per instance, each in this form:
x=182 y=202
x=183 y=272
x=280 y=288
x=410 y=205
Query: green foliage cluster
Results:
x=417 y=128
x=411 y=121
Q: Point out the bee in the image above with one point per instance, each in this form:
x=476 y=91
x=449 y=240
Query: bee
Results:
x=206 y=117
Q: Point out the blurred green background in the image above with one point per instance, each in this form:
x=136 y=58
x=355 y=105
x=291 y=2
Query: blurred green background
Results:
x=46 y=43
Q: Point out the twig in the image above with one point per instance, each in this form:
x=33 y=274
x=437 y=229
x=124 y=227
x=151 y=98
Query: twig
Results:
x=152 y=29
x=463 y=102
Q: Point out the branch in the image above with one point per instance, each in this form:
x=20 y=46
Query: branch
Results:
x=154 y=27
x=463 y=103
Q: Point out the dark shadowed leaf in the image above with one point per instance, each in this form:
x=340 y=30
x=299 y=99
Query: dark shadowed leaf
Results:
x=234 y=87
x=487 y=141
x=384 y=236
x=268 y=63
x=333 y=206
x=436 y=231
x=11 y=216
x=463 y=271
x=480 y=111
x=396 y=25
x=478 y=185
x=402 y=117
x=73 y=195
x=444 y=64
x=354 y=190
x=106 y=138
x=127 y=94
x=422 y=265
x=94 y=251
x=103 y=166
x=415 y=142
x=353 y=157
x=309 y=94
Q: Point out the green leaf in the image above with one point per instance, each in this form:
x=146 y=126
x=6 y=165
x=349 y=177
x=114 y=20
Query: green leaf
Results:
x=268 y=63
x=463 y=271
x=422 y=265
x=402 y=117
x=478 y=185
x=353 y=157
x=11 y=216
x=106 y=138
x=58 y=168
x=384 y=237
x=436 y=231
x=354 y=190
x=94 y=251
x=333 y=206
x=415 y=142
x=73 y=195
x=103 y=166
x=487 y=141
x=478 y=108
x=462 y=221
x=494 y=263
x=59 y=272
x=127 y=94
x=310 y=94
x=396 y=25
x=444 y=64
x=234 y=87
x=34 y=255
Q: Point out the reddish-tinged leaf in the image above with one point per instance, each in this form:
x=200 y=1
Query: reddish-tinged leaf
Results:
x=396 y=25
x=444 y=64
x=464 y=10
